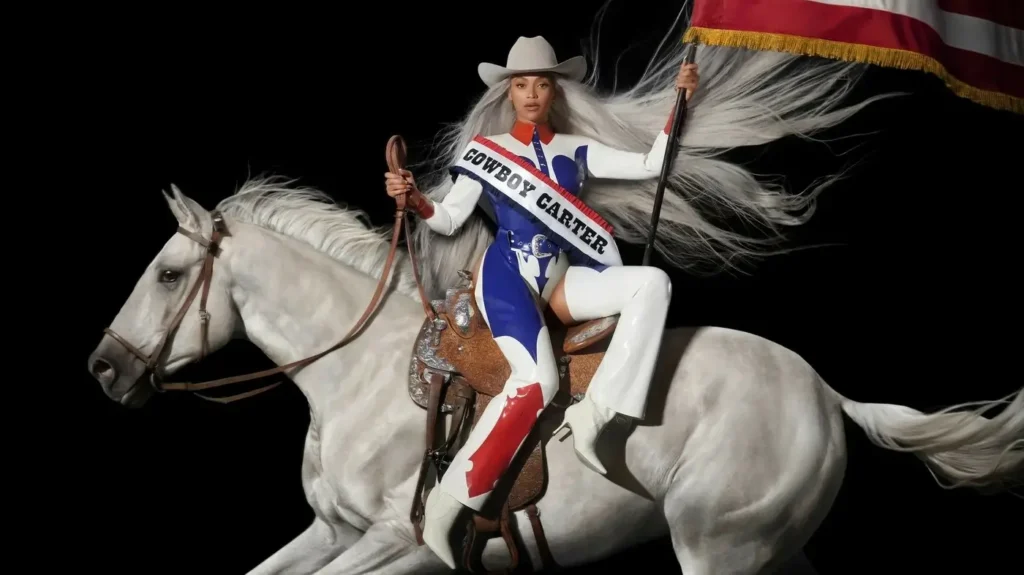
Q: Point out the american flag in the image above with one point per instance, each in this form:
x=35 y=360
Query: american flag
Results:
x=975 y=46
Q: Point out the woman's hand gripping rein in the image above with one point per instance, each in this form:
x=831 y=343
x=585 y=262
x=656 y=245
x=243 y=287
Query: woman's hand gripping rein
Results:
x=404 y=183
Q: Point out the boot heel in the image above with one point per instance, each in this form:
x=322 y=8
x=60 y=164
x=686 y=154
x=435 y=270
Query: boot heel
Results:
x=582 y=416
x=568 y=431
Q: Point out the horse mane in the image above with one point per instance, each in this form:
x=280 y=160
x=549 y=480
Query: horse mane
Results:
x=314 y=218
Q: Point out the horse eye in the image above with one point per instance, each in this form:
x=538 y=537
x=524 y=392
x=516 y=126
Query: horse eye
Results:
x=169 y=276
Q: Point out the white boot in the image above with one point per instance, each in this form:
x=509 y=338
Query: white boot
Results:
x=439 y=515
x=586 y=420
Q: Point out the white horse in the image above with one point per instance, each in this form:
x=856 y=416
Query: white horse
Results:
x=740 y=459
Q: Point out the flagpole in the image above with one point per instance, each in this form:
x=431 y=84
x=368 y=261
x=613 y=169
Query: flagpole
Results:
x=678 y=119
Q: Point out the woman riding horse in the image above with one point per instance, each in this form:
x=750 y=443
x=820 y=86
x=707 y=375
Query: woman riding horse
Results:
x=550 y=249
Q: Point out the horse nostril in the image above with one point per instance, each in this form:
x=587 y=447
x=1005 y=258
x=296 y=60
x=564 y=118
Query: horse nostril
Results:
x=102 y=370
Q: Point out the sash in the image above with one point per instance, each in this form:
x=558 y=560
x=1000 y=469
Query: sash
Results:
x=573 y=225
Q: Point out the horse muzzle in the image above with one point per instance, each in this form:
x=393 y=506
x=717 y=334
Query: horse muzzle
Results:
x=123 y=377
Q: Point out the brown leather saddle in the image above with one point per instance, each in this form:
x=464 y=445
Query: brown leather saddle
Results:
x=457 y=369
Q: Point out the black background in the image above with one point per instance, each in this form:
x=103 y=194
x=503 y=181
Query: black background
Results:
x=909 y=305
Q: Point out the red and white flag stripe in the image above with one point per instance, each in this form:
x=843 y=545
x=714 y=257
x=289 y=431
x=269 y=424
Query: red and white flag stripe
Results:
x=975 y=46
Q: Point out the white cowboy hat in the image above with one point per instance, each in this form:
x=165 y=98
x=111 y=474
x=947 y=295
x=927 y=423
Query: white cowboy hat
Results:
x=532 y=55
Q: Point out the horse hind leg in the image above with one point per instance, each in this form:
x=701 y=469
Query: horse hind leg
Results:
x=799 y=564
x=712 y=538
x=717 y=532
x=747 y=528
x=717 y=556
x=735 y=554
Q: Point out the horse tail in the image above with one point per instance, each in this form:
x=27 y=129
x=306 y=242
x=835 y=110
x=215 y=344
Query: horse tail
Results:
x=966 y=448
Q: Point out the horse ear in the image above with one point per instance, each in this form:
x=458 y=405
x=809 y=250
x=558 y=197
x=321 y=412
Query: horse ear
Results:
x=187 y=211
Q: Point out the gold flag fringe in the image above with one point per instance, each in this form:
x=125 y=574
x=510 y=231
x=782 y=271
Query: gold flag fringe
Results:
x=887 y=57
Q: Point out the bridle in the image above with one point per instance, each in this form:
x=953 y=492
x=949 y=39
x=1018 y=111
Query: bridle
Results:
x=152 y=360
x=396 y=158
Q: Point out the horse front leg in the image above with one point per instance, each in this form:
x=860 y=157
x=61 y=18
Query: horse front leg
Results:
x=386 y=549
x=310 y=550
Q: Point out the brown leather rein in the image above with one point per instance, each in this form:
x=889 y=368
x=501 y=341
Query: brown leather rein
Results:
x=396 y=159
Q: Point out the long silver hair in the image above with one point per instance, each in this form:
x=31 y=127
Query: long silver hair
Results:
x=745 y=98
